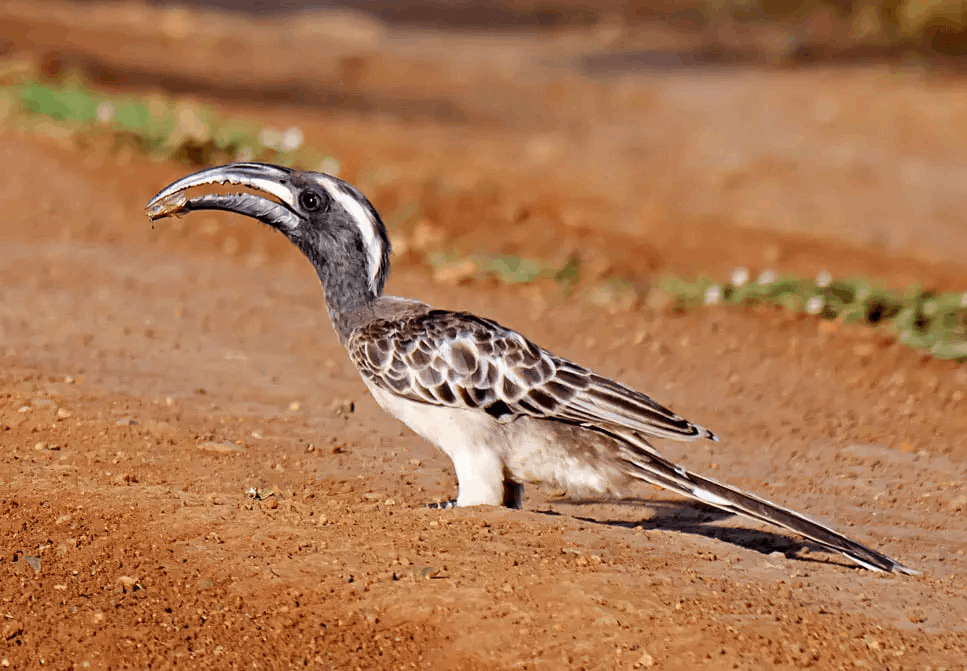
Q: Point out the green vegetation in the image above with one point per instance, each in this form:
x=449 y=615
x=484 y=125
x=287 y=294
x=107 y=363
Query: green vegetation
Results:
x=157 y=126
x=927 y=320
x=168 y=129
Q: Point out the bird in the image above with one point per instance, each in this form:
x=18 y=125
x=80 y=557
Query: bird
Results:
x=504 y=410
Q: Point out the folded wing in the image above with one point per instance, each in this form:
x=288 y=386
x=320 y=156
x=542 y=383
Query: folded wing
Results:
x=459 y=360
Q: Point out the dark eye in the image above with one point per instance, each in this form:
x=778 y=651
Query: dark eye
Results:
x=311 y=201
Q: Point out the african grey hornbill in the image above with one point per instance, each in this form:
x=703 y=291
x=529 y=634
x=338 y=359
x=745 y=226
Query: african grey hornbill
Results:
x=506 y=411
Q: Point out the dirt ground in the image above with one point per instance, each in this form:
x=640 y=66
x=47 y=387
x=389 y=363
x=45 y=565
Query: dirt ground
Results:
x=151 y=378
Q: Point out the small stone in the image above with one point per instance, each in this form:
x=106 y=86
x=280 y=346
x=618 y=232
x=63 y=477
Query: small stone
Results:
x=126 y=582
x=739 y=277
x=8 y=630
x=294 y=406
x=292 y=139
x=645 y=660
x=69 y=379
x=272 y=503
x=63 y=413
x=341 y=407
x=40 y=446
x=959 y=503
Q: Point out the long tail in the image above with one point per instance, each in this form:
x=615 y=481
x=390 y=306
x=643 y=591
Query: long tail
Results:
x=647 y=465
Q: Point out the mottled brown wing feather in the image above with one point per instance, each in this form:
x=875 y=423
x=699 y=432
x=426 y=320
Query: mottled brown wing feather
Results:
x=457 y=359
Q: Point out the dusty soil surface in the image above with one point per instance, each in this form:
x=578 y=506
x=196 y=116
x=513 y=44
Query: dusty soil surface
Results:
x=151 y=379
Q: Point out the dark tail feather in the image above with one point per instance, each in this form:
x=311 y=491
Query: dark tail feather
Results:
x=654 y=469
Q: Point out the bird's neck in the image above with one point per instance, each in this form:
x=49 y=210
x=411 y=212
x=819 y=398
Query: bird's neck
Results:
x=349 y=297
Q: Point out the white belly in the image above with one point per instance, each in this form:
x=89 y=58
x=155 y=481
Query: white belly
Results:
x=485 y=452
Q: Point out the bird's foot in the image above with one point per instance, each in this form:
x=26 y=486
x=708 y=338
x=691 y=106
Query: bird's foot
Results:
x=442 y=505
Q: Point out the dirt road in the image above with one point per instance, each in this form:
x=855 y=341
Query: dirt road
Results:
x=152 y=379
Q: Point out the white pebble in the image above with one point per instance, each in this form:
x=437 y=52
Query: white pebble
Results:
x=767 y=277
x=814 y=305
x=824 y=279
x=740 y=276
x=713 y=295
x=292 y=139
x=105 y=112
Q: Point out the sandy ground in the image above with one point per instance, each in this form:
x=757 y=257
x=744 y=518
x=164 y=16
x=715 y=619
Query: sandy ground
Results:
x=150 y=378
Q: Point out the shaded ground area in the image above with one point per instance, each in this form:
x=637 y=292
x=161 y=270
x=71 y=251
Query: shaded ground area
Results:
x=150 y=378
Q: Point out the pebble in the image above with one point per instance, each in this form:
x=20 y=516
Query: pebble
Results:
x=645 y=661
x=63 y=413
x=128 y=583
x=294 y=406
x=342 y=407
x=8 y=630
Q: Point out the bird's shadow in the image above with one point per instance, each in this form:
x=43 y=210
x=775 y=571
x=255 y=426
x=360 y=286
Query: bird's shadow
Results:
x=689 y=517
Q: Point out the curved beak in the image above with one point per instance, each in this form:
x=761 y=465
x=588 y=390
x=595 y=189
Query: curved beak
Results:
x=269 y=179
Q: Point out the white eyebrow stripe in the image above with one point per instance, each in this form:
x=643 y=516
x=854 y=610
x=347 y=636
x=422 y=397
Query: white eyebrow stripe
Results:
x=364 y=222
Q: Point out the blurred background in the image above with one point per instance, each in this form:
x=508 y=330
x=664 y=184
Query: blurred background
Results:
x=641 y=135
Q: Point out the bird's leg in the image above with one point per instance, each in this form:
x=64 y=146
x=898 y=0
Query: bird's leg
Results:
x=513 y=494
x=480 y=477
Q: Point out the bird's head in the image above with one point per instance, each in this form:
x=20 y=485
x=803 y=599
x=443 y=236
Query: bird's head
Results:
x=333 y=224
